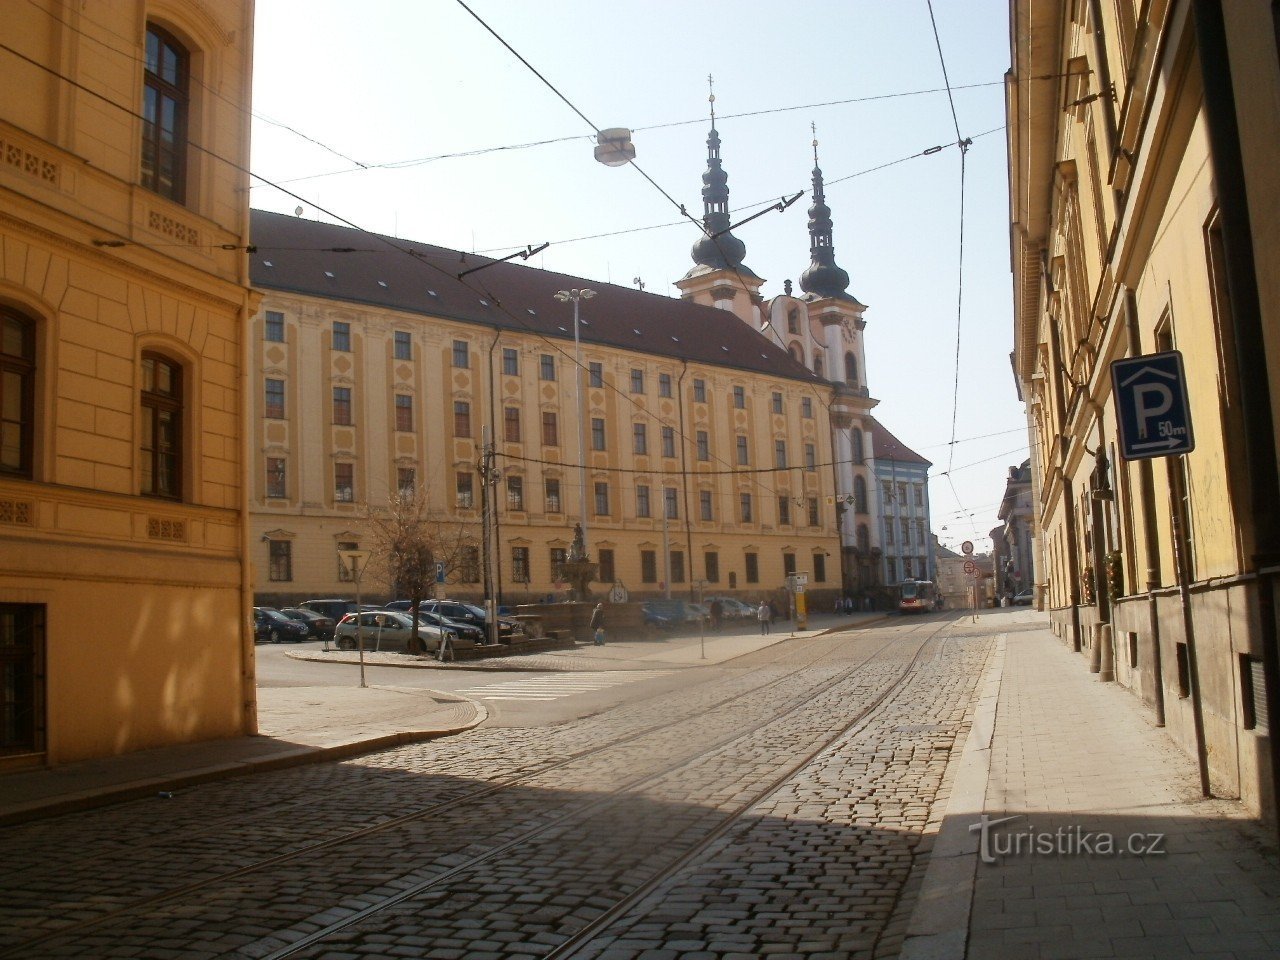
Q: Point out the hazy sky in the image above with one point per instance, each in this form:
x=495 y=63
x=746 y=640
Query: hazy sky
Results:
x=421 y=85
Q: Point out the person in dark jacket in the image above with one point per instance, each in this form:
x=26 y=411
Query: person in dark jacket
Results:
x=717 y=614
x=597 y=624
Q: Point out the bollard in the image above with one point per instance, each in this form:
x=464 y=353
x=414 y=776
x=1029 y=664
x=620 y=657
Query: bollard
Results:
x=1095 y=648
x=1106 y=654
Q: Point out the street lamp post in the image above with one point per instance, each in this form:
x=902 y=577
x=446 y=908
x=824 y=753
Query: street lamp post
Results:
x=577 y=296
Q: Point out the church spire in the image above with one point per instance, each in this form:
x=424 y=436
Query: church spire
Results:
x=724 y=252
x=823 y=278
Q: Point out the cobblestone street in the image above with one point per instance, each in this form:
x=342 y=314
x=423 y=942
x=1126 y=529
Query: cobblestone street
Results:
x=779 y=810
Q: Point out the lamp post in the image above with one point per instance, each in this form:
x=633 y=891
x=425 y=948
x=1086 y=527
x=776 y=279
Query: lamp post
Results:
x=577 y=296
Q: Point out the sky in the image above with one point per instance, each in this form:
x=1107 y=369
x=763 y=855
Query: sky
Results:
x=412 y=118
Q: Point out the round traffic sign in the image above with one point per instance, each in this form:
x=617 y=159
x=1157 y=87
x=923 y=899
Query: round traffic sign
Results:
x=967 y=547
x=970 y=566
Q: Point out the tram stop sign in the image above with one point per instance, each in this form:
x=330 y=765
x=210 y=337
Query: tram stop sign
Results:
x=1151 y=406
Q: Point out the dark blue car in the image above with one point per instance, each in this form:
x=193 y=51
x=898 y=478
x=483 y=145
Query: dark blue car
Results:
x=272 y=626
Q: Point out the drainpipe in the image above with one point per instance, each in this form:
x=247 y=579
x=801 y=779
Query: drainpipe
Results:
x=1105 y=91
x=1251 y=356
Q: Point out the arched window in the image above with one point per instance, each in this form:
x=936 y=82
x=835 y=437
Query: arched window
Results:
x=858 y=456
x=817 y=364
x=793 y=320
x=864 y=538
x=794 y=350
x=164 y=114
x=17 y=392
x=161 y=427
x=859 y=495
x=850 y=368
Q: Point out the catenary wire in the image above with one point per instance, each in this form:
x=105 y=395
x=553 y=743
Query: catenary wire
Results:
x=514 y=318
x=684 y=437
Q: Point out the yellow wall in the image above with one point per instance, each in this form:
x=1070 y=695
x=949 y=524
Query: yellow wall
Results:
x=146 y=641
x=310 y=443
x=1120 y=219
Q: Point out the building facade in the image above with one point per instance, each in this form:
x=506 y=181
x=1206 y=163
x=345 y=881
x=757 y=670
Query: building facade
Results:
x=124 y=140
x=902 y=491
x=707 y=453
x=1143 y=191
x=1011 y=542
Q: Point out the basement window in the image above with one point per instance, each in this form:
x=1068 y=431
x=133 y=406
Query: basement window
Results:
x=1253 y=690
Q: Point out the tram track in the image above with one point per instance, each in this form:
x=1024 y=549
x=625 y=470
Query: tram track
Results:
x=514 y=779
x=575 y=942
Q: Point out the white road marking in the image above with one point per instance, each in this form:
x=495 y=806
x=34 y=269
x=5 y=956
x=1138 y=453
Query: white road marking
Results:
x=554 y=688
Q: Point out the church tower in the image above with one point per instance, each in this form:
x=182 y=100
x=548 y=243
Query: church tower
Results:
x=719 y=278
x=822 y=328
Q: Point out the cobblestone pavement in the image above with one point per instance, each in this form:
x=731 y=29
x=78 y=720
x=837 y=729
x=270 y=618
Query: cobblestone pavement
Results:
x=505 y=843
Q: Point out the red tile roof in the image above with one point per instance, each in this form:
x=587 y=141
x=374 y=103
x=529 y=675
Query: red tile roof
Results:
x=886 y=446
x=339 y=263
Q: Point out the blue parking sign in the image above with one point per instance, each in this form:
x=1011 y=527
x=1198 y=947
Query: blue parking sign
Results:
x=1151 y=406
x=439 y=572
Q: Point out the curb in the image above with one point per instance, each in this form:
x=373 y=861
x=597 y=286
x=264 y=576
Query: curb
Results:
x=939 y=925
x=282 y=760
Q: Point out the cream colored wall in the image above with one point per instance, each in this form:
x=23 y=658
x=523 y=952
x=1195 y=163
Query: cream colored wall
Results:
x=1157 y=250
x=146 y=640
x=314 y=523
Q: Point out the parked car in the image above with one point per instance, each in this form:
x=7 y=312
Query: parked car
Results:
x=272 y=626
x=663 y=614
x=734 y=609
x=464 y=631
x=1024 y=598
x=335 y=610
x=319 y=626
x=390 y=631
x=469 y=613
x=696 y=613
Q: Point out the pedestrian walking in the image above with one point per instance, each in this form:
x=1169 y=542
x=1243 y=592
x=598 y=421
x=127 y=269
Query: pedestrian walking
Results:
x=765 y=616
x=597 y=624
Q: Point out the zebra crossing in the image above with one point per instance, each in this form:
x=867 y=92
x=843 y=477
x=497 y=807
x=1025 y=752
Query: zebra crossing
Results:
x=559 y=685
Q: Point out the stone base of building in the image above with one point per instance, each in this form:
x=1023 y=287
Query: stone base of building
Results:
x=1228 y=656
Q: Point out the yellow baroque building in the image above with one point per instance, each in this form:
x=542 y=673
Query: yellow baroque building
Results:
x=708 y=448
x=1143 y=198
x=124 y=136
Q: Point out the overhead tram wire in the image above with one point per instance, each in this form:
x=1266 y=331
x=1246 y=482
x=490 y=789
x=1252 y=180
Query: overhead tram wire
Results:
x=516 y=320
x=714 y=238
x=552 y=87
x=964 y=145
x=929 y=151
x=411 y=162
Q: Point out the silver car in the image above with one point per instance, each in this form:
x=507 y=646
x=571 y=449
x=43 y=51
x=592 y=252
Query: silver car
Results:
x=386 y=630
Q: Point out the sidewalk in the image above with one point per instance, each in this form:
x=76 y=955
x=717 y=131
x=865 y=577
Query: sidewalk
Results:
x=313 y=724
x=1076 y=764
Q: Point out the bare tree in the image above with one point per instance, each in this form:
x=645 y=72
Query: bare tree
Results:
x=408 y=539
